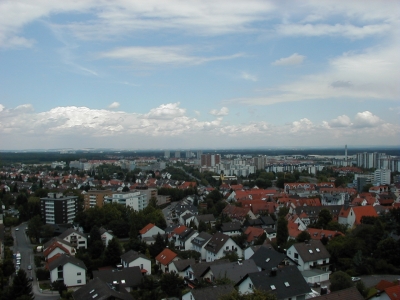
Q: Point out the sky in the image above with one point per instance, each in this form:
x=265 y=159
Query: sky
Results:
x=159 y=74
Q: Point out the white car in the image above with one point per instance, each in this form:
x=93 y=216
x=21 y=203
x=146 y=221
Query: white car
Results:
x=16 y=229
x=354 y=279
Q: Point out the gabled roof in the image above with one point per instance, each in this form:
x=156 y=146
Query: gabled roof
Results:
x=58 y=240
x=212 y=292
x=267 y=258
x=166 y=256
x=146 y=228
x=65 y=259
x=131 y=256
x=361 y=211
x=231 y=226
x=200 y=268
x=53 y=246
x=201 y=239
x=346 y=294
x=393 y=292
x=70 y=231
x=182 y=264
x=102 y=290
x=384 y=284
x=127 y=277
x=287 y=282
x=217 y=242
x=311 y=250
x=205 y=218
x=253 y=233
x=234 y=271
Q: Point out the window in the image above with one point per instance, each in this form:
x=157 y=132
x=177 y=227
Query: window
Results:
x=79 y=281
x=79 y=273
x=250 y=286
x=296 y=255
x=141 y=266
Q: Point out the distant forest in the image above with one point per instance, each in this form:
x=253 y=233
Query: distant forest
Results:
x=36 y=157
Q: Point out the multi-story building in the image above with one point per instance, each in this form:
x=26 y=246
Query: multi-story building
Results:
x=177 y=154
x=57 y=209
x=260 y=162
x=95 y=198
x=210 y=160
x=137 y=200
x=167 y=154
x=382 y=176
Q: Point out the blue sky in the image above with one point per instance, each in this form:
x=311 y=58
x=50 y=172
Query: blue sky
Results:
x=198 y=74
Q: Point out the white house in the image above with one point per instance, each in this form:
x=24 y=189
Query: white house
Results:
x=66 y=268
x=149 y=230
x=76 y=238
x=57 y=246
x=136 y=200
x=219 y=245
x=182 y=267
x=165 y=259
x=106 y=236
x=134 y=259
x=199 y=242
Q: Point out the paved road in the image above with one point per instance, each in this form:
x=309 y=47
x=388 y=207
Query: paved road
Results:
x=22 y=244
x=372 y=280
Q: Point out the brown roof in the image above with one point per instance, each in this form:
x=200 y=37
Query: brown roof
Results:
x=166 y=256
x=346 y=294
x=312 y=250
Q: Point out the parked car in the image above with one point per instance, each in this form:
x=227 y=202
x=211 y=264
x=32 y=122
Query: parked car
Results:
x=355 y=279
x=16 y=229
x=30 y=278
x=29 y=267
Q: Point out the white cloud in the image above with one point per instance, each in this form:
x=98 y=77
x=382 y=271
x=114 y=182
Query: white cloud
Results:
x=222 y=112
x=366 y=119
x=248 y=76
x=166 y=111
x=340 y=121
x=114 y=105
x=161 y=55
x=294 y=59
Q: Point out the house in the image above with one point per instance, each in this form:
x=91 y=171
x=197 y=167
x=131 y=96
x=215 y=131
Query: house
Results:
x=267 y=258
x=99 y=289
x=318 y=234
x=208 y=219
x=148 y=232
x=165 y=258
x=209 y=293
x=68 y=269
x=312 y=260
x=184 y=239
x=181 y=267
x=267 y=221
x=238 y=213
x=127 y=279
x=196 y=271
x=285 y=283
x=349 y=293
x=106 y=235
x=76 y=238
x=199 y=242
x=249 y=251
x=231 y=228
x=253 y=234
x=220 y=245
x=234 y=271
x=135 y=259
x=352 y=216
x=186 y=219
x=57 y=246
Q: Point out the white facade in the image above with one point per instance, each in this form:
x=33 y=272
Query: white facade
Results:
x=136 y=200
x=106 y=237
x=228 y=246
x=78 y=239
x=382 y=176
x=142 y=263
x=304 y=266
x=72 y=275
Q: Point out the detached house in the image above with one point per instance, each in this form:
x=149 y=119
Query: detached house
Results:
x=352 y=215
x=76 y=238
x=285 y=283
x=165 y=259
x=199 y=243
x=68 y=269
x=148 y=232
x=231 y=228
x=312 y=259
x=57 y=246
x=134 y=259
x=219 y=245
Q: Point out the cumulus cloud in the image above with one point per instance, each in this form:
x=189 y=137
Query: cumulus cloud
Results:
x=114 y=105
x=166 y=111
x=294 y=59
x=222 y=112
x=366 y=119
x=340 y=121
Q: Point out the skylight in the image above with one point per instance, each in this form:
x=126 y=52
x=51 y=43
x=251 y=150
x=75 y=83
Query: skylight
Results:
x=318 y=250
x=310 y=251
x=273 y=287
x=92 y=291
x=287 y=284
x=268 y=259
x=94 y=296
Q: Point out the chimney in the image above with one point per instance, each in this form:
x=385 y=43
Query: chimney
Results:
x=273 y=272
x=116 y=285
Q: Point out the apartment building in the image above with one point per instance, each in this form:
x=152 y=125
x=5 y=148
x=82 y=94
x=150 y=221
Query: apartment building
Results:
x=137 y=200
x=95 y=198
x=57 y=209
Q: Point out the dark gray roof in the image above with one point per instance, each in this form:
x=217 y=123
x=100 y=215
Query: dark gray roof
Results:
x=231 y=226
x=131 y=256
x=102 y=230
x=127 y=277
x=70 y=231
x=348 y=294
x=200 y=268
x=253 y=223
x=179 y=209
x=311 y=250
x=212 y=292
x=267 y=220
x=187 y=216
x=205 y=218
x=186 y=234
x=269 y=230
x=287 y=282
x=103 y=291
x=183 y=264
x=267 y=258
x=216 y=242
x=234 y=271
x=65 y=259
x=201 y=239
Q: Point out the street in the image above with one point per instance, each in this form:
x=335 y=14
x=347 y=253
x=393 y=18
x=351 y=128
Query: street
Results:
x=25 y=248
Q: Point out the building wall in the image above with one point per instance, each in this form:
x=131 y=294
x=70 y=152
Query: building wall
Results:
x=95 y=198
x=73 y=275
x=141 y=263
x=58 y=210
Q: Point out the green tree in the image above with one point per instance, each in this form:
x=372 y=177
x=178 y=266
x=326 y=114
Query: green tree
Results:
x=202 y=226
x=113 y=253
x=256 y=295
x=340 y=281
x=171 y=284
x=282 y=231
x=324 y=217
x=303 y=236
x=21 y=286
x=35 y=227
x=158 y=246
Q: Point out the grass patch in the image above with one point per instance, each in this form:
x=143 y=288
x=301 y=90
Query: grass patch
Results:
x=45 y=286
x=372 y=292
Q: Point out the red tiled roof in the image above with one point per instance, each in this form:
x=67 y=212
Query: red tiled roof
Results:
x=146 y=228
x=54 y=246
x=384 y=284
x=393 y=292
x=361 y=211
x=166 y=256
x=253 y=233
x=180 y=229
